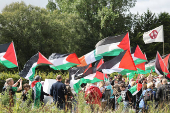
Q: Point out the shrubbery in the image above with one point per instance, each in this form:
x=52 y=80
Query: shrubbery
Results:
x=79 y=104
x=44 y=75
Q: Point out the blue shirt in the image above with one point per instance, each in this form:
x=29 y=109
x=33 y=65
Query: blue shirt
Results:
x=110 y=87
x=142 y=103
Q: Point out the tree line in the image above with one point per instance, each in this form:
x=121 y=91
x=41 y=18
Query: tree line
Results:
x=67 y=26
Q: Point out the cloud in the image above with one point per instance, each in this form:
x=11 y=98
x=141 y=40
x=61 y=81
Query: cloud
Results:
x=155 y=6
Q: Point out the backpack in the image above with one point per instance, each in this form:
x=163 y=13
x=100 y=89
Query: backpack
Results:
x=166 y=92
x=148 y=96
x=4 y=89
x=107 y=94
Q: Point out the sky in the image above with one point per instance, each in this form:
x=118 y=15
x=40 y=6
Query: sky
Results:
x=155 y=6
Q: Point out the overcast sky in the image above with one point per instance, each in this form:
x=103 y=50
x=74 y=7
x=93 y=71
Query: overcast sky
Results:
x=156 y=6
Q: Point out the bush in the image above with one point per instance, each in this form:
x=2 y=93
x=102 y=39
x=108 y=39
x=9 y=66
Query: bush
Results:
x=44 y=75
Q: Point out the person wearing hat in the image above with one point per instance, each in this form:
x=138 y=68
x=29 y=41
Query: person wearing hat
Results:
x=37 y=91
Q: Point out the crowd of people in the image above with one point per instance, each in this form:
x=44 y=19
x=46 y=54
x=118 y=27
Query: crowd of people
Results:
x=152 y=92
x=107 y=94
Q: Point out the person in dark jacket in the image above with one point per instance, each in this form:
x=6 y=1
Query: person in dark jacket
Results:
x=59 y=92
x=69 y=94
x=37 y=91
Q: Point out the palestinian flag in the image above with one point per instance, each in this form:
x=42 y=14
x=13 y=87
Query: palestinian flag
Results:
x=89 y=75
x=29 y=68
x=160 y=67
x=140 y=70
x=113 y=45
x=63 y=61
x=150 y=65
x=98 y=65
x=139 y=59
x=134 y=90
x=88 y=59
x=137 y=55
x=36 y=87
x=122 y=63
x=167 y=60
x=8 y=56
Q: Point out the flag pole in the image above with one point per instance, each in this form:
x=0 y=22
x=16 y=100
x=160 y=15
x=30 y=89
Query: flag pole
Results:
x=163 y=50
x=16 y=57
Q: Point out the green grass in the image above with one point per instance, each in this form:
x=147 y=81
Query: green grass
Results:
x=82 y=107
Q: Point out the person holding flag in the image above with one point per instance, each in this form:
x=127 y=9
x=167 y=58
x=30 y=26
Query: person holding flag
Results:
x=37 y=91
x=11 y=88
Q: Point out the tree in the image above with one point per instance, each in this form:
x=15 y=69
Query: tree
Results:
x=51 y=5
x=33 y=29
x=103 y=17
x=148 y=21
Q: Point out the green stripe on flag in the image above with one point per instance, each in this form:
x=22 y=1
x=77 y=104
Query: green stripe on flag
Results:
x=38 y=94
x=139 y=61
x=123 y=72
x=133 y=89
x=131 y=75
x=114 y=52
x=119 y=99
x=31 y=78
x=77 y=86
x=97 y=57
x=7 y=64
x=63 y=67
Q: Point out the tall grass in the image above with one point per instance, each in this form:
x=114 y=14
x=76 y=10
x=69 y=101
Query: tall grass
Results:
x=79 y=104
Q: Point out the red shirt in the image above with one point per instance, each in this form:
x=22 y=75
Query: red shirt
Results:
x=93 y=95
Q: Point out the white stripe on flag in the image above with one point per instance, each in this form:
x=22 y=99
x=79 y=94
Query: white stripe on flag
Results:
x=107 y=48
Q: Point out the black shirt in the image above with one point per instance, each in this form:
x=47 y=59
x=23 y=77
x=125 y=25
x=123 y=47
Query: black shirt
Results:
x=58 y=91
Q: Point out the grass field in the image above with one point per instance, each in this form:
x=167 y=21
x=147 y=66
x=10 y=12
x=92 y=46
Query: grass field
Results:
x=81 y=107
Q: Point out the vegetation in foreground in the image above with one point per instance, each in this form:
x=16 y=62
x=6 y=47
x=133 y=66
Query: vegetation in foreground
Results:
x=79 y=105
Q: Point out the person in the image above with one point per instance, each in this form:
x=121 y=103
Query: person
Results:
x=139 y=88
x=119 y=77
x=115 y=77
x=11 y=88
x=102 y=90
x=25 y=91
x=112 y=99
x=69 y=94
x=133 y=83
x=143 y=102
x=163 y=92
x=111 y=81
x=126 y=96
x=131 y=80
x=116 y=92
x=93 y=95
x=37 y=91
x=123 y=79
x=144 y=80
x=159 y=79
x=59 y=92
